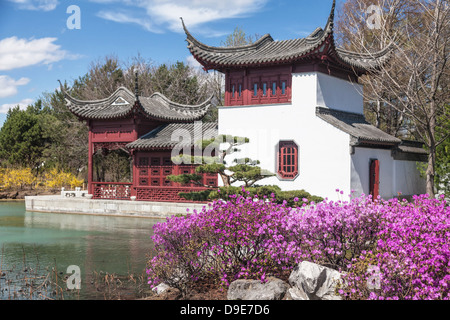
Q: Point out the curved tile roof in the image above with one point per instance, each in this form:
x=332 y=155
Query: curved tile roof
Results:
x=366 y=60
x=267 y=51
x=160 y=107
x=161 y=137
x=356 y=126
x=122 y=103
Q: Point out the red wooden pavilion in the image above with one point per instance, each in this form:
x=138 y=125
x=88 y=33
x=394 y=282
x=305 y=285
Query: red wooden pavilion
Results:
x=148 y=129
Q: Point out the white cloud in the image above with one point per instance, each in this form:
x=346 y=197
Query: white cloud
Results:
x=127 y=17
x=193 y=63
x=18 y=53
x=44 y=5
x=22 y=105
x=163 y=14
x=8 y=86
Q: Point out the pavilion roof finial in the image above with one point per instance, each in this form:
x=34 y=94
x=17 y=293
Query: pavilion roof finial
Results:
x=330 y=22
x=184 y=26
x=136 y=86
x=333 y=9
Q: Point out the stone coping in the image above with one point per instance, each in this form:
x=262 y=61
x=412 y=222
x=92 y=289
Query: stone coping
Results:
x=147 y=209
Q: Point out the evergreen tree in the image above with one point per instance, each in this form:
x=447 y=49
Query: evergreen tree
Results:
x=25 y=135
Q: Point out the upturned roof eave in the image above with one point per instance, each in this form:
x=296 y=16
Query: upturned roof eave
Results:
x=81 y=107
x=313 y=42
x=207 y=56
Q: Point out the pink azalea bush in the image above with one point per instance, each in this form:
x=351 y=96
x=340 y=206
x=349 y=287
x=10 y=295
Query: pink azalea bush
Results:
x=332 y=233
x=255 y=238
x=225 y=241
x=411 y=257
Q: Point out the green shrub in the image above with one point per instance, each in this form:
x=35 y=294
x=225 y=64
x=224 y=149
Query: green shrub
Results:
x=196 y=196
x=261 y=191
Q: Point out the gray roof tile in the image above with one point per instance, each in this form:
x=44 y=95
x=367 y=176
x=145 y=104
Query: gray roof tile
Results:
x=412 y=147
x=356 y=126
x=267 y=51
x=123 y=102
x=167 y=135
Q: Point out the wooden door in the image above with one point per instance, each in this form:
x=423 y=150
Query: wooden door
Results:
x=374 y=178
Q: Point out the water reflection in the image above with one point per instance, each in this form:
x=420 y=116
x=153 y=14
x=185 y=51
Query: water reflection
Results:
x=119 y=245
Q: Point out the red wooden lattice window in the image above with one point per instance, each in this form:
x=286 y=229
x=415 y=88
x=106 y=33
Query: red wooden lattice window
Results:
x=287 y=160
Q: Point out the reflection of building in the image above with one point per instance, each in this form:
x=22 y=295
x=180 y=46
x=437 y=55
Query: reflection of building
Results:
x=300 y=104
x=143 y=128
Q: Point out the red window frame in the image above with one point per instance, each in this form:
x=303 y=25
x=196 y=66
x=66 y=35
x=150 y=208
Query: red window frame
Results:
x=287 y=166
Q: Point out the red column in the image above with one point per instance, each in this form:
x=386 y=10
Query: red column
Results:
x=134 y=174
x=90 y=163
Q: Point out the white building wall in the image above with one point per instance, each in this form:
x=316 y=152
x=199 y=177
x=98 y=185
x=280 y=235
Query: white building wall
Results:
x=407 y=178
x=339 y=94
x=325 y=162
x=395 y=176
x=360 y=164
x=324 y=156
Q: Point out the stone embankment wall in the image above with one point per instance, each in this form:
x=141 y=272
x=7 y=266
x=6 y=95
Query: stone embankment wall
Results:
x=80 y=205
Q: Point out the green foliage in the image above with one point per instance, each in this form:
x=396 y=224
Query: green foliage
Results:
x=112 y=165
x=186 y=178
x=261 y=191
x=211 y=168
x=442 y=166
x=270 y=192
x=249 y=173
x=196 y=196
x=26 y=134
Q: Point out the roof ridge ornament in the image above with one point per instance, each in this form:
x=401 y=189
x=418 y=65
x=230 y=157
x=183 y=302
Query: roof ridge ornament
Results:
x=330 y=23
x=136 y=86
x=333 y=10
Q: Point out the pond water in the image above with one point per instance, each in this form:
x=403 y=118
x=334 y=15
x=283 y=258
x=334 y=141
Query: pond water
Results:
x=96 y=244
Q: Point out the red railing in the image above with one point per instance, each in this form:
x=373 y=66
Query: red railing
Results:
x=164 y=194
x=112 y=190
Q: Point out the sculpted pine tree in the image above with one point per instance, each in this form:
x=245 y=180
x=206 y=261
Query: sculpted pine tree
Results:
x=243 y=170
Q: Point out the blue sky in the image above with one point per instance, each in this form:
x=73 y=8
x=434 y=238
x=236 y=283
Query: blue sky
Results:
x=37 y=48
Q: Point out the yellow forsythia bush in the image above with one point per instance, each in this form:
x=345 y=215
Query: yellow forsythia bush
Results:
x=2 y=174
x=24 y=178
x=16 y=178
x=56 y=179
